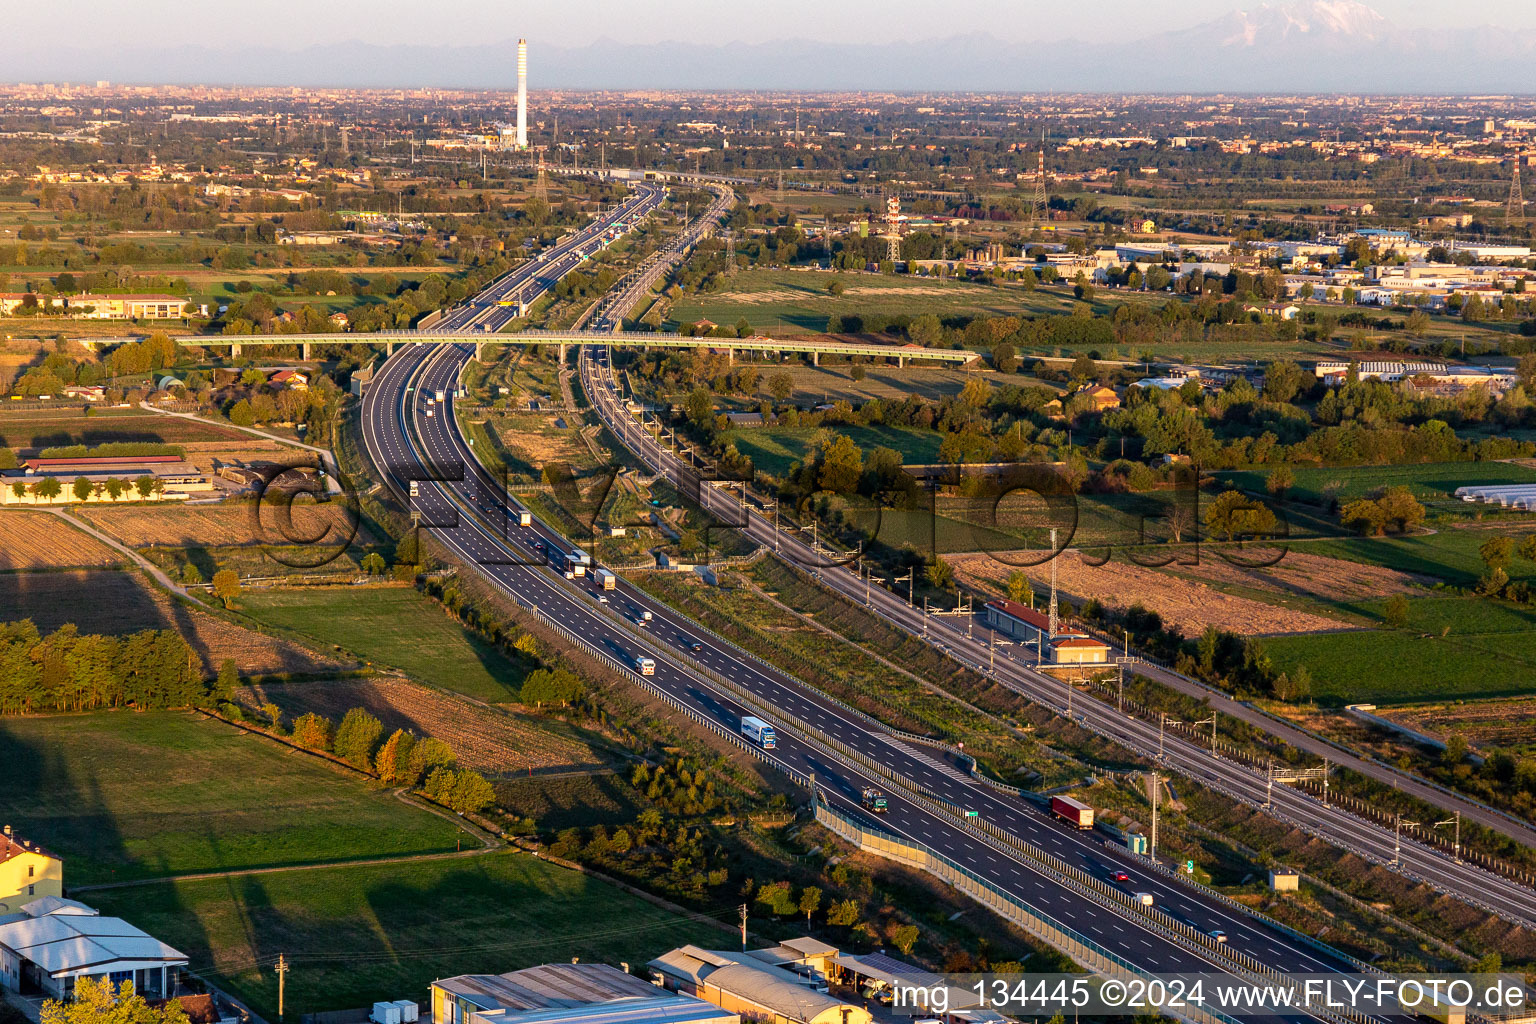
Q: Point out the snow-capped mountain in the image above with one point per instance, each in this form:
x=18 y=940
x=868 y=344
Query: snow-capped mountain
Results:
x=1312 y=21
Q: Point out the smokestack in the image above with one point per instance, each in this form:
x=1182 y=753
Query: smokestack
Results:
x=522 y=94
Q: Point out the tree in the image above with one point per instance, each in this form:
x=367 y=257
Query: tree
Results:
x=1364 y=515
x=856 y=371
x=313 y=732
x=905 y=938
x=835 y=287
x=1496 y=552
x=699 y=407
x=1395 y=612
x=226 y=586
x=48 y=488
x=939 y=574
x=1084 y=368
x=471 y=792
x=841 y=465
x=1234 y=514
x=115 y=487
x=357 y=737
x=145 y=485
x=810 y=900
x=96 y=1002
x=1400 y=508
x=240 y=414
x=925 y=330
x=781 y=386
x=1005 y=359
x=82 y=488
x=429 y=754
x=1020 y=590
x=228 y=681
x=843 y=914
x=1283 y=381
x=373 y=564
x=392 y=764
x=1280 y=480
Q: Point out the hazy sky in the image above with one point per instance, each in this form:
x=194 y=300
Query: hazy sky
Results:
x=298 y=23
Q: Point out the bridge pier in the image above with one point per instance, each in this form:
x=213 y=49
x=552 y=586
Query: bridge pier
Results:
x=479 y=348
x=901 y=362
x=562 y=353
x=730 y=357
x=815 y=358
x=234 y=350
x=389 y=349
x=306 y=351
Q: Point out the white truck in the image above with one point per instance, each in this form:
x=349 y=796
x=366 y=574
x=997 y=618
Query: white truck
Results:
x=442 y=395
x=605 y=579
x=645 y=666
x=524 y=518
x=758 y=731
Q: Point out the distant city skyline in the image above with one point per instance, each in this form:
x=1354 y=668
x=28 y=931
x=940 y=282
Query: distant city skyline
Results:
x=291 y=24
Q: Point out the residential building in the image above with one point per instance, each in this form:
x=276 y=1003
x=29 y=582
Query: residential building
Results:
x=1030 y=628
x=293 y=380
x=102 y=307
x=574 y=993
x=52 y=943
x=27 y=872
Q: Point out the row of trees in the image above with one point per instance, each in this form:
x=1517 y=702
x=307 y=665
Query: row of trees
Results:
x=73 y=671
x=403 y=759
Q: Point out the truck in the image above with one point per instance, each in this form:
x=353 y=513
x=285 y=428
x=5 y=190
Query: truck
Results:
x=605 y=579
x=645 y=666
x=415 y=488
x=442 y=395
x=1074 y=811
x=873 y=800
x=758 y=731
x=524 y=518
x=1143 y=898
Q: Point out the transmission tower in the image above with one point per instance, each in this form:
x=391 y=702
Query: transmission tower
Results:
x=540 y=186
x=346 y=141
x=892 y=234
x=729 y=239
x=1040 y=209
x=1515 y=212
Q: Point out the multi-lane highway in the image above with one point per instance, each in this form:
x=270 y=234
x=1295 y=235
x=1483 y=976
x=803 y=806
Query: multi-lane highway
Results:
x=469 y=512
x=970 y=643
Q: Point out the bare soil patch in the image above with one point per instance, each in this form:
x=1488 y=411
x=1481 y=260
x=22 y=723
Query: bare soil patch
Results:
x=41 y=540
x=493 y=742
x=1490 y=723
x=1188 y=605
x=114 y=603
x=1307 y=575
x=207 y=526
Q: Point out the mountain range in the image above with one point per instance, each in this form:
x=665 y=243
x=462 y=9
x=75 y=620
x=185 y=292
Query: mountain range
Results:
x=1307 y=46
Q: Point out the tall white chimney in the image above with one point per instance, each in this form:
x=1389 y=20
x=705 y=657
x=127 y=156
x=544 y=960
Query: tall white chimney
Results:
x=522 y=94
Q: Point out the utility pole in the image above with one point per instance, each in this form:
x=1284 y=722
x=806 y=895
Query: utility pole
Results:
x=1397 y=845
x=1212 y=723
x=1456 y=845
x=282 y=976
x=1155 y=784
x=908 y=579
x=743 y=909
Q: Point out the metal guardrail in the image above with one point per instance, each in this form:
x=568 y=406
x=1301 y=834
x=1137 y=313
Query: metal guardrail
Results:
x=1020 y=912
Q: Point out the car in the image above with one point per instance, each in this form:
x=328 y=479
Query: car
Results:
x=694 y=645
x=1218 y=935
x=602 y=598
x=1121 y=876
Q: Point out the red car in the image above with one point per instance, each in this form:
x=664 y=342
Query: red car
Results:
x=1121 y=876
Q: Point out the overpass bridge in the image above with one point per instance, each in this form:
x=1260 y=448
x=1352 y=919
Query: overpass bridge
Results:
x=561 y=339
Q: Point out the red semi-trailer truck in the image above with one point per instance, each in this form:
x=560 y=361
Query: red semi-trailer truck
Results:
x=1074 y=811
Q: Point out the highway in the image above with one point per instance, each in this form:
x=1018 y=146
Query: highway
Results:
x=470 y=514
x=968 y=643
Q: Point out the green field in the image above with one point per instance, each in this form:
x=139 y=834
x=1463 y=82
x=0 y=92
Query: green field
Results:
x=798 y=300
x=125 y=795
x=397 y=627
x=1451 y=648
x=362 y=933
x=773 y=449
x=1450 y=555
x=1434 y=480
